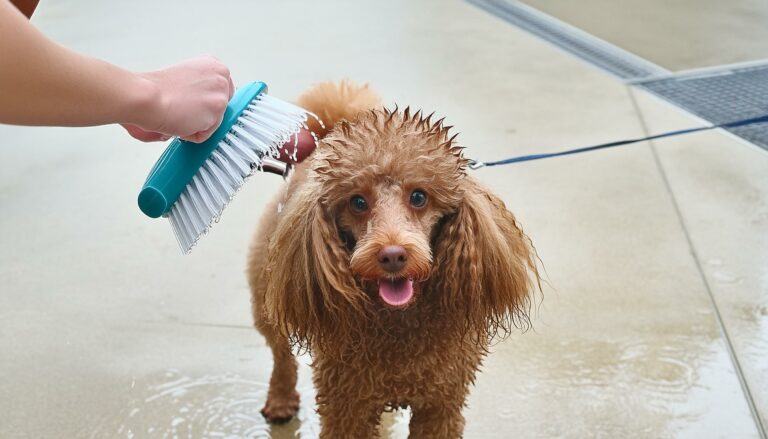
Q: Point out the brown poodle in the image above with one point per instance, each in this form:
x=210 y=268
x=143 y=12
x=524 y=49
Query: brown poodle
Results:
x=391 y=265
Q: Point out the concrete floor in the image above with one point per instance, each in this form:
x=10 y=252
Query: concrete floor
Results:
x=677 y=35
x=107 y=331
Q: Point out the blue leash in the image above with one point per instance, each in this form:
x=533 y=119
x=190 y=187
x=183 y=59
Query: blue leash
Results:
x=526 y=158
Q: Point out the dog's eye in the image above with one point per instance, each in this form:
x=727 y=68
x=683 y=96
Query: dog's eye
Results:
x=358 y=204
x=418 y=198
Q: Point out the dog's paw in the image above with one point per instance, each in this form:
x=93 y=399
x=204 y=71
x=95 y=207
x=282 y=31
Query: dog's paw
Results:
x=280 y=409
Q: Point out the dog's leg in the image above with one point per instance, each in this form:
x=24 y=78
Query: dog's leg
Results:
x=341 y=417
x=345 y=403
x=441 y=419
x=282 y=398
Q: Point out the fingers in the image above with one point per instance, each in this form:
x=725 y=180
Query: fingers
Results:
x=145 y=136
x=193 y=96
x=223 y=71
x=200 y=137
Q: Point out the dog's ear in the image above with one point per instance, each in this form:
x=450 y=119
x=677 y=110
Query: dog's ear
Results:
x=309 y=285
x=485 y=264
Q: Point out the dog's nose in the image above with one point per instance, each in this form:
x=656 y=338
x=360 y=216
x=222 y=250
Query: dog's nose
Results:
x=392 y=258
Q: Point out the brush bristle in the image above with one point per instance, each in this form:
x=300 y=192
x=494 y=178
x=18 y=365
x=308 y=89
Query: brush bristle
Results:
x=266 y=125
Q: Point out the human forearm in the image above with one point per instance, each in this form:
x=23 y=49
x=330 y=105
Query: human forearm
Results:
x=42 y=83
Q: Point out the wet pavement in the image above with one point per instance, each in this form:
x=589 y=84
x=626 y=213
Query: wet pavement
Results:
x=650 y=251
x=679 y=35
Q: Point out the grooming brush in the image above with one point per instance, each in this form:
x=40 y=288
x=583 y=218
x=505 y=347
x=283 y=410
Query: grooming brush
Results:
x=192 y=183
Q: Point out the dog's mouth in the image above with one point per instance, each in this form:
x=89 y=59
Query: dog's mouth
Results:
x=396 y=292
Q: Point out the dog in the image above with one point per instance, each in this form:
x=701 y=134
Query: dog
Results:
x=390 y=265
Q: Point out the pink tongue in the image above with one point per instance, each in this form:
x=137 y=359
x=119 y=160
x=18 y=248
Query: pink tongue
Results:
x=396 y=292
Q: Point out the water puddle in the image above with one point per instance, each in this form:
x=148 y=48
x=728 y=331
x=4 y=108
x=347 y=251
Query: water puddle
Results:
x=173 y=405
x=726 y=278
x=755 y=341
x=678 y=385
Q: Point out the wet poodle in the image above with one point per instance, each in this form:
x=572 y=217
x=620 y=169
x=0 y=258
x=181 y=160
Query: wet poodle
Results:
x=390 y=265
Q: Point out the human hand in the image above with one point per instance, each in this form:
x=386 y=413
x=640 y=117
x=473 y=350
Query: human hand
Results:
x=188 y=100
x=145 y=136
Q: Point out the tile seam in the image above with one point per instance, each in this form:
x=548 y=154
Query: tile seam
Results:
x=705 y=281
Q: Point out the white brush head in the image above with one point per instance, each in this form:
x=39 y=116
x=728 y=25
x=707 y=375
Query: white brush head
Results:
x=252 y=144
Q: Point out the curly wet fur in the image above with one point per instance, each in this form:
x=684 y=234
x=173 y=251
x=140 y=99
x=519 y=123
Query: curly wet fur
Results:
x=312 y=271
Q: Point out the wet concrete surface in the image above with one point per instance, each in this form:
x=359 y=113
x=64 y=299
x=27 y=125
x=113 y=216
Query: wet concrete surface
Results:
x=677 y=35
x=107 y=331
x=720 y=185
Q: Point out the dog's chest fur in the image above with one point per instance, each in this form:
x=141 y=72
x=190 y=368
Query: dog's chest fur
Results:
x=402 y=356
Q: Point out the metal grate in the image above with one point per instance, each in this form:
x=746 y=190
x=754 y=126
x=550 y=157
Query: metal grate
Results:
x=717 y=95
x=589 y=48
x=720 y=95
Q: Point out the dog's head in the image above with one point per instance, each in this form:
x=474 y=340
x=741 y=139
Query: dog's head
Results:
x=386 y=218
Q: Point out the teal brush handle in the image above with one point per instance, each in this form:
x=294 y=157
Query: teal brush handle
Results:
x=181 y=160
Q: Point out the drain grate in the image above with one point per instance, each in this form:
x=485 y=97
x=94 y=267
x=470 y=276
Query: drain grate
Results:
x=589 y=48
x=720 y=95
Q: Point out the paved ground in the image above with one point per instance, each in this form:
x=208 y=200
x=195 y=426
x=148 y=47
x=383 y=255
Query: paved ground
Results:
x=107 y=331
x=678 y=35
